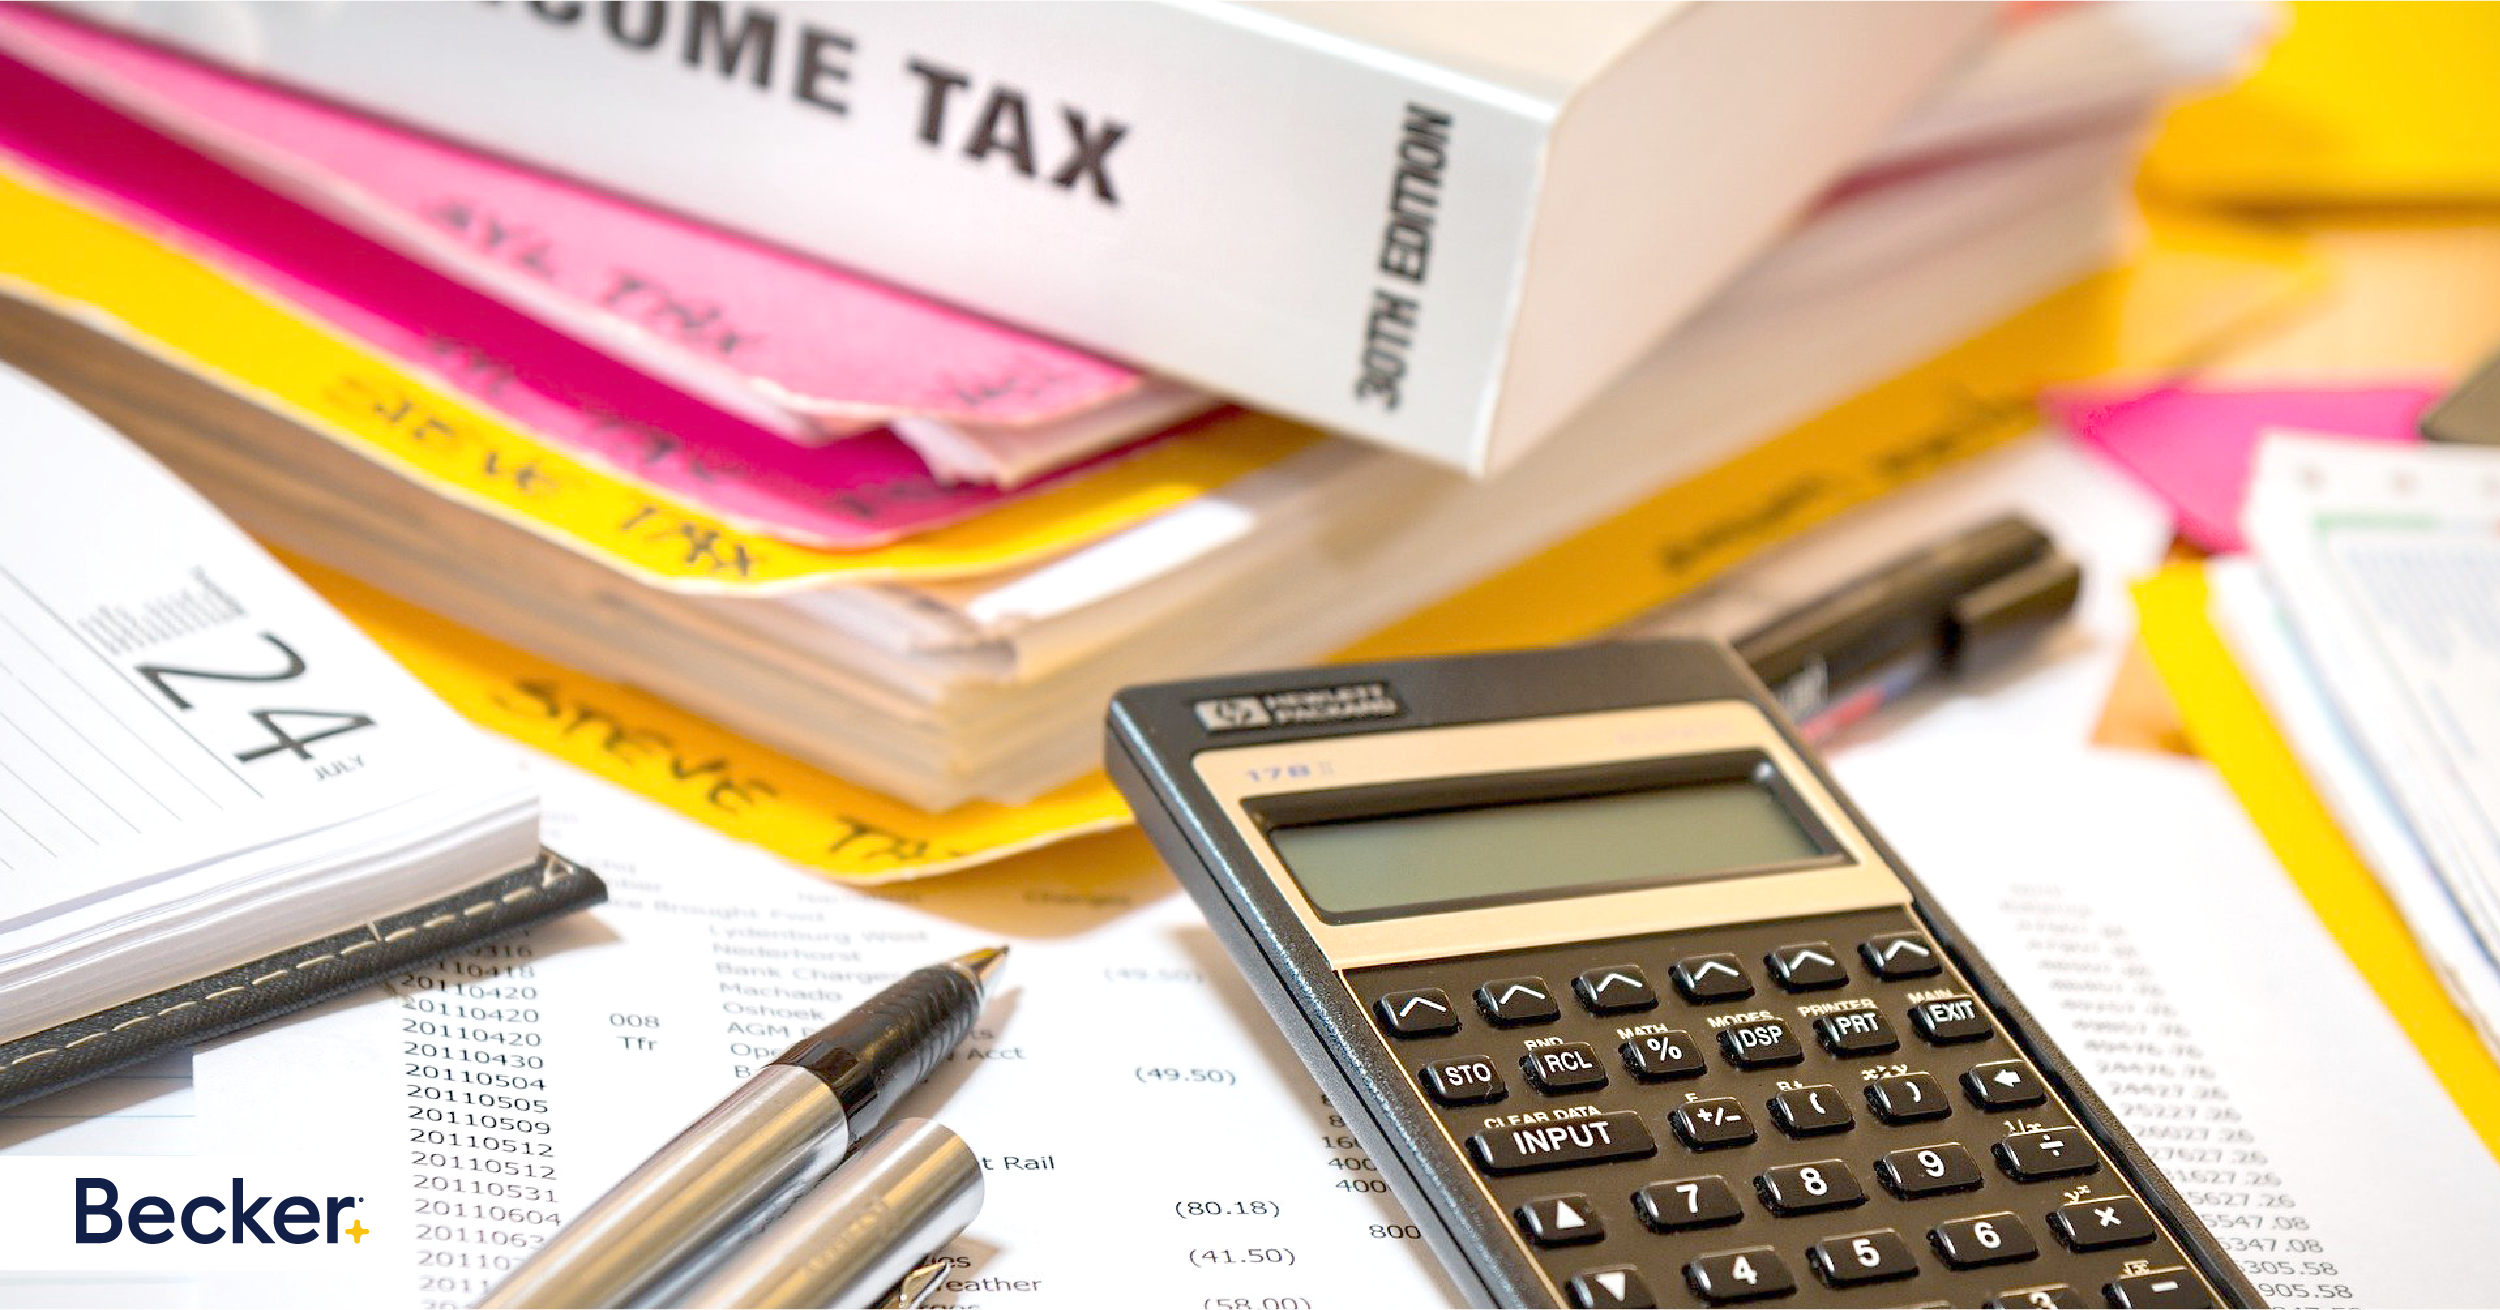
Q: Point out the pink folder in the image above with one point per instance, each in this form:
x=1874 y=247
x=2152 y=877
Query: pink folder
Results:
x=2193 y=446
x=852 y=494
x=800 y=347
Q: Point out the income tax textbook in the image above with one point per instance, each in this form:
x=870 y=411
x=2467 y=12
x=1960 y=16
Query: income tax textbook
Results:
x=218 y=800
x=1442 y=227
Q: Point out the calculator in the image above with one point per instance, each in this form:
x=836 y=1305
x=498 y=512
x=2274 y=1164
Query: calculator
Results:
x=1627 y=1003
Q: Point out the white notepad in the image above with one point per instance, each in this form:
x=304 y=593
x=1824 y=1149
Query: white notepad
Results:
x=200 y=762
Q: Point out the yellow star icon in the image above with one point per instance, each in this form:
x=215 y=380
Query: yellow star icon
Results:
x=358 y=1230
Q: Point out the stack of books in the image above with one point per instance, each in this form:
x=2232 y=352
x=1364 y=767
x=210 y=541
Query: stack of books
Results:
x=889 y=384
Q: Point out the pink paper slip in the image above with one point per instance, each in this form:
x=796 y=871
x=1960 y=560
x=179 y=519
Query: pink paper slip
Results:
x=852 y=494
x=800 y=347
x=2193 y=446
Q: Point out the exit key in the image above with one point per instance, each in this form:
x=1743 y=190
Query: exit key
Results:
x=1950 y=1020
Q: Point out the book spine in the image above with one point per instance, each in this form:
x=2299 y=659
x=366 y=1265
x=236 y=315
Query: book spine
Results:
x=1204 y=189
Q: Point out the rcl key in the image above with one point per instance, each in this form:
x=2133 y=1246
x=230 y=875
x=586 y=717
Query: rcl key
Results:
x=1559 y=1069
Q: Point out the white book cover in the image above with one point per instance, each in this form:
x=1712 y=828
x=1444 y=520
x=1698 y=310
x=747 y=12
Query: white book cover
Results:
x=1441 y=227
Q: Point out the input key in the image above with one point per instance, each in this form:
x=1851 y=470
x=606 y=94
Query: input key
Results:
x=1562 y=1144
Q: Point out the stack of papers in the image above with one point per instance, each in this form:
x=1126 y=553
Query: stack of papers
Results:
x=937 y=641
x=2371 y=625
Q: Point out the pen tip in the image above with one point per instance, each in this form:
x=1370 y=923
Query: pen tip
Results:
x=982 y=964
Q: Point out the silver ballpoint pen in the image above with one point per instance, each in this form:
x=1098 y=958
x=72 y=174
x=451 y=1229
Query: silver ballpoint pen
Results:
x=738 y=1165
x=865 y=1236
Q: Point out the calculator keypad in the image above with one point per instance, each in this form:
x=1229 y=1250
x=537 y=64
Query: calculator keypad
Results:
x=1815 y=1110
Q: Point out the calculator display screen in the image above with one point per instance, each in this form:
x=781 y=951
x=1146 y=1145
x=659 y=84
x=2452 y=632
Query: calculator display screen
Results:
x=1375 y=866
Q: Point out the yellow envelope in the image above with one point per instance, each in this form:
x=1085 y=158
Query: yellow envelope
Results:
x=659 y=751
x=2357 y=104
x=2230 y=727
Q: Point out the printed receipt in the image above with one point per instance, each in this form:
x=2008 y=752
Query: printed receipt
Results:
x=1148 y=1135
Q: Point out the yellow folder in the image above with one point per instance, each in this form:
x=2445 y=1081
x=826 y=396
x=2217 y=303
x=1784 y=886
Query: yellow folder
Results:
x=2192 y=285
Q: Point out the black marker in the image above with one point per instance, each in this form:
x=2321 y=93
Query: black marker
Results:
x=1955 y=605
x=2469 y=415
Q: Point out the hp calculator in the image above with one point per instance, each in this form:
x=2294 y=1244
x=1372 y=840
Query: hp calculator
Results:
x=1626 y=1001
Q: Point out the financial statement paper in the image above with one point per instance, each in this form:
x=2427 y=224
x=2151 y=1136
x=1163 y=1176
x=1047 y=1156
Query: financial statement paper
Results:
x=1147 y=1133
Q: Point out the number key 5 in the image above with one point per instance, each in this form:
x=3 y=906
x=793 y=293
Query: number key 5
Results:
x=1855 y=1258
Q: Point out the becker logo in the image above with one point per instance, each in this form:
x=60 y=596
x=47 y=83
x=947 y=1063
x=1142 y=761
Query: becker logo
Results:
x=236 y=1217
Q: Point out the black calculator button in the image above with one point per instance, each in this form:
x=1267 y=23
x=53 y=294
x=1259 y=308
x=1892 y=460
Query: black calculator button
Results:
x=1805 y=1188
x=1560 y=1220
x=1752 y=1274
x=1987 y=1239
x=1928 y=1170
x=1617 y=1288
x=1951 y=1020
x=2162 y=1287
x=2047 y=1296
x=1807 y=1111
x=1709 y=1125
x=1857 y=1032
x=1424 y=1013
x=1706 y=978
x=1615 y=989
x=1661 y=1057
x=1855 y=1258
x=2004 y=1085
x=1806 y=966
x=1898 y=955
x=1907 y=1098
x=1463 y=1080
x=1514 y=1001
x=1762 y=1044
x=2099 y=1225
x=1617 y=1136
x=1682 y=1203
x=1559 y=1069
x=2046 y=1153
